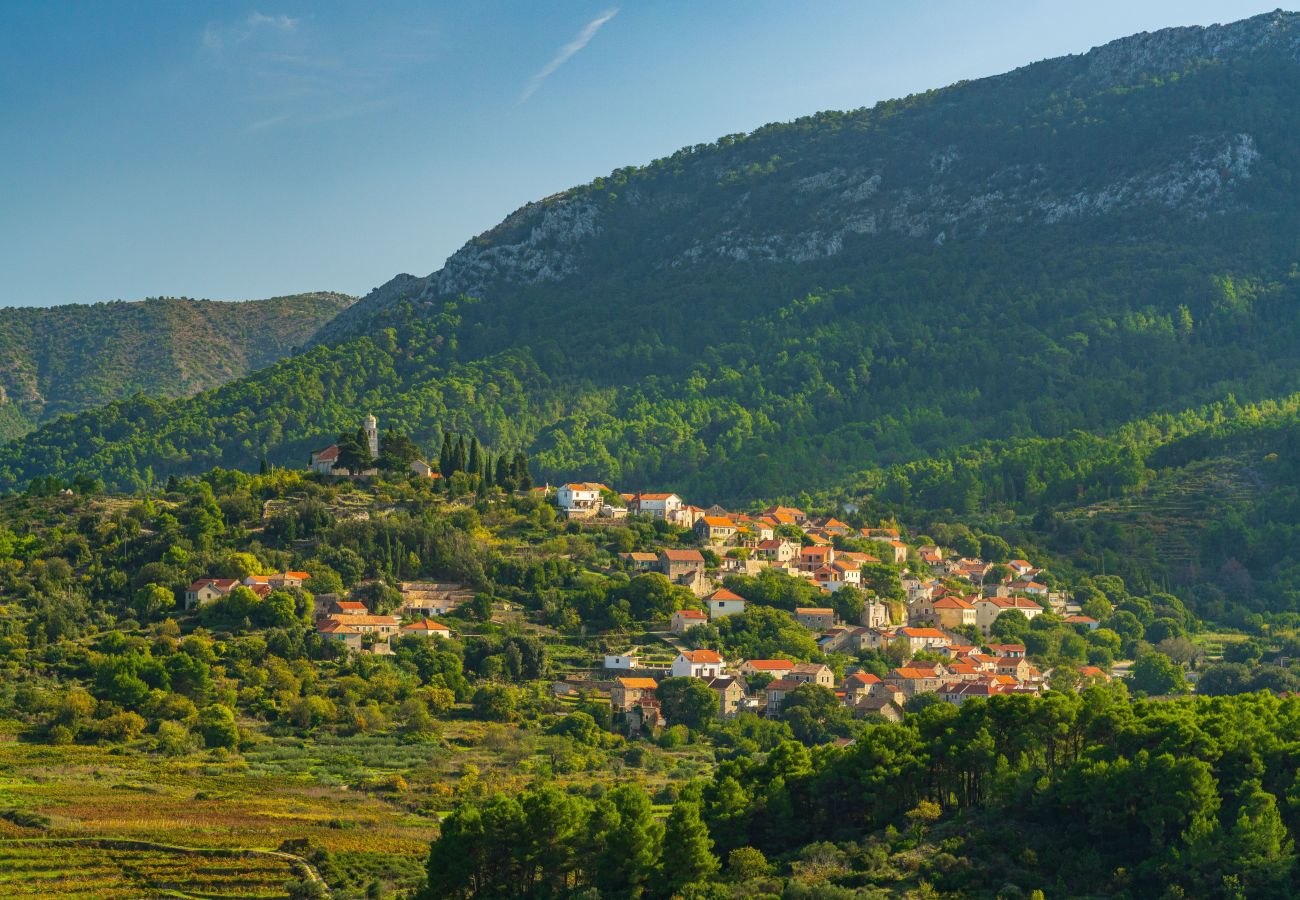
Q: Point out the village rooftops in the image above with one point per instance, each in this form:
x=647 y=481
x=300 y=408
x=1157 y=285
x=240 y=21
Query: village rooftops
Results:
x=638 y=684
x=352 y=606
x=718 y=522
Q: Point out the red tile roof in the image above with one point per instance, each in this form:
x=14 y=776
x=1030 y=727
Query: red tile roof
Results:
x=770 y=665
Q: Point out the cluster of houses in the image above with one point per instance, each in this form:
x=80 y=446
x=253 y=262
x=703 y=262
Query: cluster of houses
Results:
x=209 y=590
x=351 y=623
x=761 y=685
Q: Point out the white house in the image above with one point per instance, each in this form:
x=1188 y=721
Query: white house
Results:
x=575 y=497
x=723 y=602
x=622 y=661
x=658 y=506
x=697 y=664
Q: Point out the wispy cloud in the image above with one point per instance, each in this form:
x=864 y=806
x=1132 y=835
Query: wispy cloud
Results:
x=217 y=36
x=566 y=53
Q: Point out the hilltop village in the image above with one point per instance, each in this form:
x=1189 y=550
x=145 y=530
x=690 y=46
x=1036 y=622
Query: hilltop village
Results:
x=938 y=629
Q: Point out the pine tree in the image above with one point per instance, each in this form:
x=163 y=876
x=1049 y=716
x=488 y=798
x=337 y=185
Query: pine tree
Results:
x=687 y=849
x=629 y=836
x=263 y=467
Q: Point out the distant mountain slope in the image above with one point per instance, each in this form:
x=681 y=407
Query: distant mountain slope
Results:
x=1075 y=244
x=61 y=359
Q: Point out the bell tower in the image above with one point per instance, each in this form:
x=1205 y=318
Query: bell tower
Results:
x=372 y=436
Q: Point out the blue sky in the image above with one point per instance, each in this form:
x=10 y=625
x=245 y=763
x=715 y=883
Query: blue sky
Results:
x=234 y=151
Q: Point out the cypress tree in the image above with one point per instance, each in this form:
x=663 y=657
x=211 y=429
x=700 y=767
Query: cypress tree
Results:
x=505 y=478
x=444 y=455
x=462 y=455
x=475 y=464
x=523 y=478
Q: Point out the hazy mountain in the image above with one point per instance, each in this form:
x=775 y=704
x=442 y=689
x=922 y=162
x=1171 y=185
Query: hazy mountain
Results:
x=64 y=359
x=1075 y=244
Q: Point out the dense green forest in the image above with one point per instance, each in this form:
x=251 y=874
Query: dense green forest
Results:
x=1062 y=796
x=66 y=359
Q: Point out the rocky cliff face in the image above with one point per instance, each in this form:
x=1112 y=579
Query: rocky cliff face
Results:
x=928 y=172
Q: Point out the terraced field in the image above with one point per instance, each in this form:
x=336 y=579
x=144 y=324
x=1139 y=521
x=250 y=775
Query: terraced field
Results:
x=91 y=869
x=1176 y=505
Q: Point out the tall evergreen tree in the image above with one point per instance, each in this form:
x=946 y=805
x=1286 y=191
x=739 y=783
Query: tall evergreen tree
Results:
x=629 y=841
x=523 y=478
x=445 y=455
x=475 y=463
x=461 y=459
x=687 y=850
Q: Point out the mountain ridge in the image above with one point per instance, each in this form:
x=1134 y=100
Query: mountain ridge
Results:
x=1023 y=255
x=73 y=357
x=532 y=244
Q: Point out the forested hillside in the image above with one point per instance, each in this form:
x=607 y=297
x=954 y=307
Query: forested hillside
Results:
x=1080 y=243
x=66 y=359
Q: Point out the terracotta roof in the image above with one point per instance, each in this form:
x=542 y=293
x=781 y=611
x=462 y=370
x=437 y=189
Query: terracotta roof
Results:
x=682 y=555
x=222 y=584
x=770 y=665
x=923 y=632
x=701 y=656
x=862 y=678
x=718 y=522
x=639 y=684
x=366 y=620
x=724 y=594
x=784 y=684
x=656 y=496
x=690 y=614
x=814 y=611
x=351 y=604
x=952 y=603
x=426 y=625
x=334 y=626
x=911 y=673
x=783 y=510
x=329 y=454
